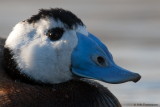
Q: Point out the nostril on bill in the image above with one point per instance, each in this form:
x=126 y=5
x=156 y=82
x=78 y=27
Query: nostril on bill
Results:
x=101 y=60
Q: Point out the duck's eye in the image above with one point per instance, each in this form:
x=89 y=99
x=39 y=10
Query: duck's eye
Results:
x=55 y=33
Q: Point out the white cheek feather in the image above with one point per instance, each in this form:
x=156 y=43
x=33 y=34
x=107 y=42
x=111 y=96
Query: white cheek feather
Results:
x=39 y=57
x=22 y=34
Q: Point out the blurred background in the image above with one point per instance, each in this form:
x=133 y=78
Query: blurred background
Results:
x=130 y=29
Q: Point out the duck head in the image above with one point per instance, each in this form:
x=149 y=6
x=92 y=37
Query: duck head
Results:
x=54 y=45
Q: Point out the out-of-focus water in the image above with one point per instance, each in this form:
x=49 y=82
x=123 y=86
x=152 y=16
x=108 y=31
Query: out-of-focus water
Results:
x=130 y=29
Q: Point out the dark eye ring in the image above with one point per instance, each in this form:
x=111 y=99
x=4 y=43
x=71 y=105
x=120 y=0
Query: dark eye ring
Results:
x=55 y=33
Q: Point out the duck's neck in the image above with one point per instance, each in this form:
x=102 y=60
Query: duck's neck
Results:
x=87 y=92
x=10 y=67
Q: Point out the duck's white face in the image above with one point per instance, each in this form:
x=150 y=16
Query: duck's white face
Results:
x=51 y=52
x=40 y=57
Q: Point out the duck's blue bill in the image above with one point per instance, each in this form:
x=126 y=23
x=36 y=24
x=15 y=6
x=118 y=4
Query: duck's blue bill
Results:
x=91 y=59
